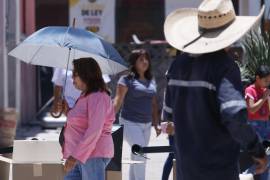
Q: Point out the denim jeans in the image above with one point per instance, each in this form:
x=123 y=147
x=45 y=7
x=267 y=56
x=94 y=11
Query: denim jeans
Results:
x=262 y=129
x=263 y=176
x=93 y=169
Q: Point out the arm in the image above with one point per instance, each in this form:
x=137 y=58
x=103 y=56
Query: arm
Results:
x=233 y=114
x=167 y=114
x=57 y=92
x=155 y=115
x=254 y=107
x=247 y=138
x=58 y=80
x=121 y=92
x=57 y=98
x=57 y=95
x=167 y=110
x=59 y=105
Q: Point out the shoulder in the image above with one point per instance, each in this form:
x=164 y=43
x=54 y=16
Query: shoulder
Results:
x=180 y=59
x=250 y=92
x=222 y=59
x=124 y=80
x=124 y=77
x=153 y=82
x=97 y=97
x=98 y=94
x=250 y=88
x=225 y=67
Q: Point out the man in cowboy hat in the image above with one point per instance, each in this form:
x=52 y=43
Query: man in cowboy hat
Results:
x=204 y=95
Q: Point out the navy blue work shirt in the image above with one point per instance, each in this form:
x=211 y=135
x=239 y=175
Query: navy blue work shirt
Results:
x=204 y=98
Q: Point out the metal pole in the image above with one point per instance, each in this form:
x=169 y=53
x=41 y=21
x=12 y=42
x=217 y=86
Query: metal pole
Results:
x=18 y=63
x=5 y=63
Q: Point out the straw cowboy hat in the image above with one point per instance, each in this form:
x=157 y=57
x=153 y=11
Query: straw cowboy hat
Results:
x=211 y=27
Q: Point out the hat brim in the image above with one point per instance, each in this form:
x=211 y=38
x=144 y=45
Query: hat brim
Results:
x=181 y=27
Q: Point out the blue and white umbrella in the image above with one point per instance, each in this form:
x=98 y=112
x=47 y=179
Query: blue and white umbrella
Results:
x=58 y=46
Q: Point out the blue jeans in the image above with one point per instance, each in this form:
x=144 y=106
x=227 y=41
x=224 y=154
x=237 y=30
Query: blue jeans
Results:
x=169 y=162
x=263 y=130
x=263 y=176
x=93 y=169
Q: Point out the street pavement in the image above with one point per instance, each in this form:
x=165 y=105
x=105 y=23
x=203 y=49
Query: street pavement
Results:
x=154 y=165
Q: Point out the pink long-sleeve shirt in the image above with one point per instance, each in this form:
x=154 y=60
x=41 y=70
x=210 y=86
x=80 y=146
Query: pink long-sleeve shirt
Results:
x=88 y=128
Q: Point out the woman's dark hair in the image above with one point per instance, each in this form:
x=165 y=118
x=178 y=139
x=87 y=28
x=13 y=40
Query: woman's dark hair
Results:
x=135 y=54
x=262 y=71
x=90 y=73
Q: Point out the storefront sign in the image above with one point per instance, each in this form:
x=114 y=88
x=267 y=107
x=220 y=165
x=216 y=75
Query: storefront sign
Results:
x=97 y=16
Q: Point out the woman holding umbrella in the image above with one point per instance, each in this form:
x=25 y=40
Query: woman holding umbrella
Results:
x=87 y=131
x=88 y=145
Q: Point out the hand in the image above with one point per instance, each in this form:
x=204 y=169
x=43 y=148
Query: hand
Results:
x=70 y=164
x=65 y=107
x=170 y=128
x=261 y=164
x=158 y=130
x=55 y=108
x=266 y=94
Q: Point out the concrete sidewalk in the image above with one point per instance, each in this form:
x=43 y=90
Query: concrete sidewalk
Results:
x=154 y=166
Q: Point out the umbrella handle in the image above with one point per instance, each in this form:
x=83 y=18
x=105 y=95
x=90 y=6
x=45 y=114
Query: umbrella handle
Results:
x=56 y=115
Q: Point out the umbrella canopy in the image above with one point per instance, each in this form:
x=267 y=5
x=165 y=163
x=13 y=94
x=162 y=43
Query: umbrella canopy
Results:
x=55 y=46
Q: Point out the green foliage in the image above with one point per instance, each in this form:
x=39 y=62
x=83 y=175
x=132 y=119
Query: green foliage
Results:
x=256 y=52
